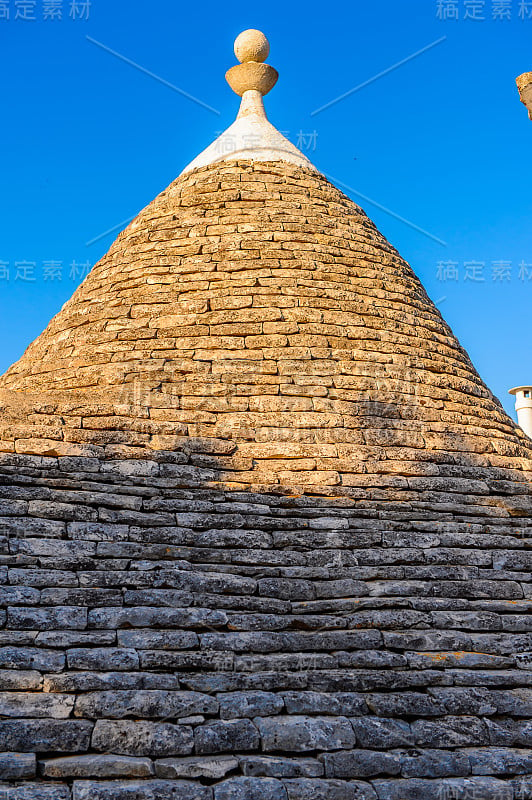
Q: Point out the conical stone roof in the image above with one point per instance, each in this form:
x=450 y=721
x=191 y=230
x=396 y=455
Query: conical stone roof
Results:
x=256 y=303
x=266 y=528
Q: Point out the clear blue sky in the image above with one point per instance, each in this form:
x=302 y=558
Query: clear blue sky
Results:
x=87 y=140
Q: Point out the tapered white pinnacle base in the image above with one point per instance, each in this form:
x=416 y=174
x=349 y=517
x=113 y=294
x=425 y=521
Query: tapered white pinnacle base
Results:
x=251 y=136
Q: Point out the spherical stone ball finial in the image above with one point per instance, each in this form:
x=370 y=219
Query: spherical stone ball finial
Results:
x=251 y=45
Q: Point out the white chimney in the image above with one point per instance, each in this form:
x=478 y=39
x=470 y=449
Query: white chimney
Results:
x=523 y=406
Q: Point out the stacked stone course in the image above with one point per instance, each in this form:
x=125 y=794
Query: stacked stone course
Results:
x=266 y=534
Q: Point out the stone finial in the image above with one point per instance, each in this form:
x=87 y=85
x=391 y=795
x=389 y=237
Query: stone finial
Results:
x=251 y=136
x=251 y=45
x=251 y=49
x=524 y=84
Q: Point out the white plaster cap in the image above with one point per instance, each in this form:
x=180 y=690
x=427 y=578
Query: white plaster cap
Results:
x=251 y=136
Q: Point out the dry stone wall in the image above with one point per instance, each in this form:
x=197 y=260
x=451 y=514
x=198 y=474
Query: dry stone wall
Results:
x=163 y=636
